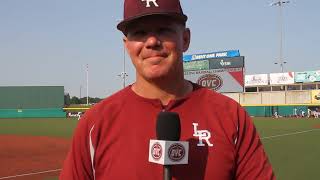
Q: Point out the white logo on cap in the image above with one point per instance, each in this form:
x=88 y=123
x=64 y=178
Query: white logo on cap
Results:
x=153 y=1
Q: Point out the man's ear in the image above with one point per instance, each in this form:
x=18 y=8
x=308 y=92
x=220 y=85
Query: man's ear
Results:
x=125 y=39
x=186 y=39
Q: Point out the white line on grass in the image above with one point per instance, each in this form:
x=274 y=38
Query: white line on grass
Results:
x=28 y=174
x=288 y=134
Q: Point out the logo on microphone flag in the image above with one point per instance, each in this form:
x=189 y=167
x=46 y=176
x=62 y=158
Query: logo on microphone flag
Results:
x=176 y=152
x=156 y=151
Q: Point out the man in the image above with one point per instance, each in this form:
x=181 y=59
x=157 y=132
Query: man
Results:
x=295 y=114
x=112 y=139
x=316 y=113
x=309 y=113
x=276 y=114
x=302 y=113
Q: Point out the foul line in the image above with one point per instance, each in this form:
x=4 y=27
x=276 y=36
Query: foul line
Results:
x=288 y=134
x=28 y=174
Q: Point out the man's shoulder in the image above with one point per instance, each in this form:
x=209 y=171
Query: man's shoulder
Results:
x=102 y=111
x=111 y=103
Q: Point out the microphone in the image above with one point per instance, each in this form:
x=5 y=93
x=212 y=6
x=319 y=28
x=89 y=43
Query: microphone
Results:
x=167 y=149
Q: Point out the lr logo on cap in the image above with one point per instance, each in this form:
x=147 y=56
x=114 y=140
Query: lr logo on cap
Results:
x=153 y=1
x=202 y=134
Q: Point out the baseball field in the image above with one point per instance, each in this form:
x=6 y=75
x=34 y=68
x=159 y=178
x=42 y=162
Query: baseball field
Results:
x=34 y=149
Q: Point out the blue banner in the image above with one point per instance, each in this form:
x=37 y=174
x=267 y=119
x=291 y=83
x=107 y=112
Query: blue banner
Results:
x=220 y=54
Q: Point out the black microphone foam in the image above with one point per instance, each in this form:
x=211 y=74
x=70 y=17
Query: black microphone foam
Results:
x=168 y=126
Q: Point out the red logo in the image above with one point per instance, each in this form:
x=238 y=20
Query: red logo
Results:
x=211 y=81
x=176 y=152
x=156 y=151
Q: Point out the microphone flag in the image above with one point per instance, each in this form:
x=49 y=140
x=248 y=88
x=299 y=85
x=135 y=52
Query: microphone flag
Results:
x=168 y=152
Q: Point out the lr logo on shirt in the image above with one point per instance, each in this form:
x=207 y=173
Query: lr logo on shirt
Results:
x=202 y=135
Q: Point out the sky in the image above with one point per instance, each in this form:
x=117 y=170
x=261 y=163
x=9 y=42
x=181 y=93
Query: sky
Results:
x=49 y=42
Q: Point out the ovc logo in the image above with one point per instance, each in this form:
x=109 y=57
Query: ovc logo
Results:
x=202 y=135
x=176 y=152
x=212 y=81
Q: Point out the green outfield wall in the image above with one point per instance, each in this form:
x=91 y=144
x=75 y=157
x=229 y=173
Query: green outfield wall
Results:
x=31 y=101
x=30 y=97
x=269 y=111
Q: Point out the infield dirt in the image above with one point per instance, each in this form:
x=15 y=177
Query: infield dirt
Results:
x=31 y=154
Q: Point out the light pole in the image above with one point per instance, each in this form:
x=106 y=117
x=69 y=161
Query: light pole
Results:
x=280 y=4
x=124 y=74
x=87 y=84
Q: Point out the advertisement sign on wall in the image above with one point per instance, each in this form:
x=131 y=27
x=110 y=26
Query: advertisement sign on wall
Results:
x=307 y=76
x=256 y=80
x=196 y=65
x=220 y=63
x=315 y=94
x=282 y=78
x=220 y=80
x=220 y=54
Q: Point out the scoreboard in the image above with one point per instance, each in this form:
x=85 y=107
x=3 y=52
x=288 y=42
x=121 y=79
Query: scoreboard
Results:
x=221 y=71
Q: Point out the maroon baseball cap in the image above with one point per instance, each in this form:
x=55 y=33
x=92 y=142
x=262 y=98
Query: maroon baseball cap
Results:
x=135 y=9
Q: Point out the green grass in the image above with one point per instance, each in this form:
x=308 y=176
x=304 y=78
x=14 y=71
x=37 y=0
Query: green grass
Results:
x=271 y=126
x=54 y=127
x=293 y=156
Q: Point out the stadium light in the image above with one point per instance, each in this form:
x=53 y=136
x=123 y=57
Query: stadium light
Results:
x=124 y=74
x=280 y=4
x=284 y=62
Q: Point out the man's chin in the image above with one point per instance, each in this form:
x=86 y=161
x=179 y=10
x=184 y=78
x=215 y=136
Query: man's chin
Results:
x=156 y=77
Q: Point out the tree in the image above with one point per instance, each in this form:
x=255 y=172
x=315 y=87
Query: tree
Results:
x=67 y=99
x=75 y=100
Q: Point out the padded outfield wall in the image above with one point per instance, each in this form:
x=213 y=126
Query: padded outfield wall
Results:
x=31 y=101
x=285 y=103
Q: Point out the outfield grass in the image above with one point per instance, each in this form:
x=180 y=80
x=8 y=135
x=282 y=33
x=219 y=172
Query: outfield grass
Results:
x=54 y=127
x=293 y=145
x=272 y=126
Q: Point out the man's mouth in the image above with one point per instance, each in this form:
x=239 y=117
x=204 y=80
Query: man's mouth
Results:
x=155 y=58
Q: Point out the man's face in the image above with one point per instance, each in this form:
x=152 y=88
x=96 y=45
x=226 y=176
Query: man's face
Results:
x=155 y=45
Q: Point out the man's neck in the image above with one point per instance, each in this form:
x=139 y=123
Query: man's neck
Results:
x=163 y=90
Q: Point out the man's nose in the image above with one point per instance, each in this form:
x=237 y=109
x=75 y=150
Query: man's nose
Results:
x=152 y=41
